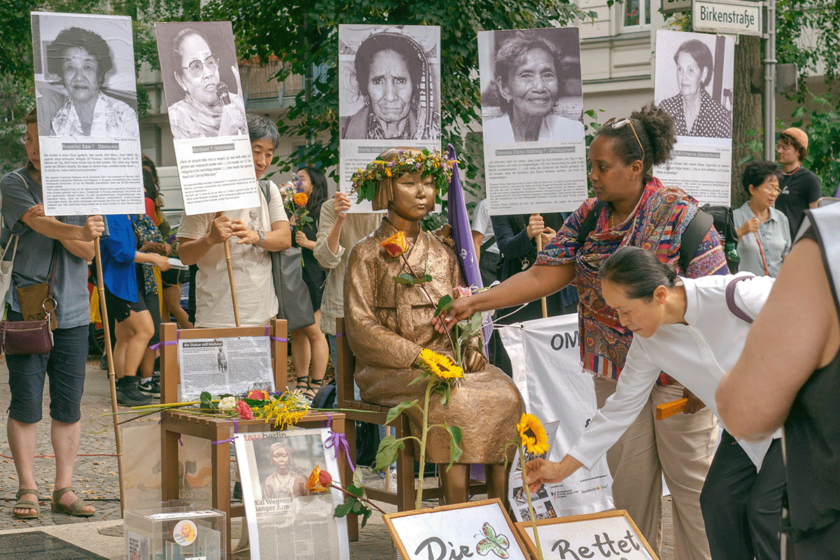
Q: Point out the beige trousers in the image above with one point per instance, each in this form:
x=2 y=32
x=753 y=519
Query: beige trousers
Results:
x=680 y=448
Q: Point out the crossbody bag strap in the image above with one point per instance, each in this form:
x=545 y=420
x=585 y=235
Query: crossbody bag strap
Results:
x=53 y=266
x=14 y=251
x=589 y=222
x=730 y=298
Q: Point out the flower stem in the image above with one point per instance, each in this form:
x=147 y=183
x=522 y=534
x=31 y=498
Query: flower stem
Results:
x=530 y=505
x=424 y=433
x=455 y=348
x=361 y=499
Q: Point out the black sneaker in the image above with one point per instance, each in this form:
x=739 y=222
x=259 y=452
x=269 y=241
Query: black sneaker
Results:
x=149 y=387
x=128 y=394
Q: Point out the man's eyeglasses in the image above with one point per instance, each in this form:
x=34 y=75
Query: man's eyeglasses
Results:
x=196 y=67
x=620 y=123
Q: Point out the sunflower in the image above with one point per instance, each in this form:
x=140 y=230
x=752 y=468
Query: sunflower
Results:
x=532 y=434
x=439 y=366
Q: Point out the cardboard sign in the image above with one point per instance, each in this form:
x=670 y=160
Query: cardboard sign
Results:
x=456 y=531
x=611 y=534
x=388 y=94
x=207 y=116
x=697 y=70
x=532 y=120
x=87 y=114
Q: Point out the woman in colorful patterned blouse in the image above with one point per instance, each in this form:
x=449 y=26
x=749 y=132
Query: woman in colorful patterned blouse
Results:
x=635 y=209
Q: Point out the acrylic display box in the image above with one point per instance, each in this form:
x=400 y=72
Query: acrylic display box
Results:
x=175 y=531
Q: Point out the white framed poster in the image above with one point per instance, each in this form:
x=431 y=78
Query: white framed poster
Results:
x=610 y=534
x=389 y=94
x=88 y=129
x=286 y=520
x=458 y=531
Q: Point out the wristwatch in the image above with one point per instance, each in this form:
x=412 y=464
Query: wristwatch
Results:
x=261 y=233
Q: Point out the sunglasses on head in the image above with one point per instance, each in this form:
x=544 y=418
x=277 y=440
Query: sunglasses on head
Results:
x=620 y=123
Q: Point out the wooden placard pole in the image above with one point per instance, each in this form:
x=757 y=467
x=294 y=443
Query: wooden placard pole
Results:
x=232 y=285
x=542 y=300
x=103 y=309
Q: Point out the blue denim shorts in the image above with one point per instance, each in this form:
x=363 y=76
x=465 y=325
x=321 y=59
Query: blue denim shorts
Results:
x=65 y=366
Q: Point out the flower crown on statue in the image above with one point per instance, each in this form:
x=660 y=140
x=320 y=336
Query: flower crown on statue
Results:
x=427 y=163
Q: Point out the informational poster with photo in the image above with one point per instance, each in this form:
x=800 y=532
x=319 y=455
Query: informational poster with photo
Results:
x=207 y=116
x=389 y=94
x=532 y=117
x=542 y=500
x=224 y=366
x=88 y=128
x=286 y=520
x=694 y=84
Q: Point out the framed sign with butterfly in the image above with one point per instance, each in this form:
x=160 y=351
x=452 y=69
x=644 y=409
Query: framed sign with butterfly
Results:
x=470 y=530
x=609 y=534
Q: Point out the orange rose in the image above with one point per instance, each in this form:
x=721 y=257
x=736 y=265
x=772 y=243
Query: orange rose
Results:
x=396 y=244
x=301 y=198
x=319 y=481
x=258 y=395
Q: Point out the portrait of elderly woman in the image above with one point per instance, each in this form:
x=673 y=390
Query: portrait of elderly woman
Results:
x=388 y=324
x=285 y=481
x=82 y=60
x=205 y=107
x=528 y=82
x=694 y=111
x=399 y=88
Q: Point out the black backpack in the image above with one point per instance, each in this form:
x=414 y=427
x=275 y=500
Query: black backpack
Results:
x=692 y=237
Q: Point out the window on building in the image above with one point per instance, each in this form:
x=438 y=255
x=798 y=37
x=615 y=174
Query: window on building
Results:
x=636 y=14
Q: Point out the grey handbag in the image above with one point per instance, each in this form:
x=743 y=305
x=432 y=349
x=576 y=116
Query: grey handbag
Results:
x=292 y=292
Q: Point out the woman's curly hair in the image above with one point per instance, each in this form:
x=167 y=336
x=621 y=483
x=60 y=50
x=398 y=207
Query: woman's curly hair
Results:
x=655 y=129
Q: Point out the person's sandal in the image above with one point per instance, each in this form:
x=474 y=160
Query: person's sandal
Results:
x=73 y=509
x=27 y=504
x=302 y=385
x=314 y=386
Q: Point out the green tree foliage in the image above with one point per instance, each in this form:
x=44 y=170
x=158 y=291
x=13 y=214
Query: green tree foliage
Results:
x=807 y=36
x=305 y=36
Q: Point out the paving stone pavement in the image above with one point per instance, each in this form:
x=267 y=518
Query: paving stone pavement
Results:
x=97 y=481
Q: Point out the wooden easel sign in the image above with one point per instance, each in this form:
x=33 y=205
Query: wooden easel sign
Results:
x=459 y=531
x=609 y=534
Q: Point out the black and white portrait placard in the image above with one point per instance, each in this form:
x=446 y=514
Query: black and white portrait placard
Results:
x=88 y=128
x=389 y=93
x=285 y=519
x=694 y=84
x=532 y=118
x=207 y=116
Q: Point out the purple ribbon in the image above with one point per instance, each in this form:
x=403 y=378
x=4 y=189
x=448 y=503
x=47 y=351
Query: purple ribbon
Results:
x=339 y=334
x=230 y=439
x=279 y=339
x=179 y=440
x=339 y=442
x=168 y=342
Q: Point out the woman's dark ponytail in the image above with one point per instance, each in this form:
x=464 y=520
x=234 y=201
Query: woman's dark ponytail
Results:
x=638 y=271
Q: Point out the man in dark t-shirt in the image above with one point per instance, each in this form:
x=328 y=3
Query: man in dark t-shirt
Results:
x=800 y=187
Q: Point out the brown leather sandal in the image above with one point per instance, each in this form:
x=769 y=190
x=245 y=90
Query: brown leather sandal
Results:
x=27 y=504
x=73 y=509
x=314 y=386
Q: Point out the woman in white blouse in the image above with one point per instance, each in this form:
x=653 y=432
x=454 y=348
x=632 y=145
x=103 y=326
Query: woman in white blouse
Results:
x=686 y=328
